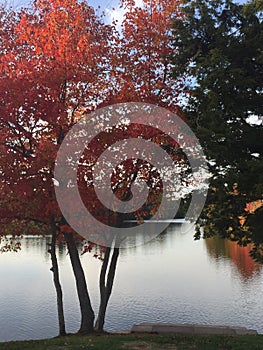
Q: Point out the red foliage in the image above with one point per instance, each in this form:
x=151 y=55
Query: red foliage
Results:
x=57 y=63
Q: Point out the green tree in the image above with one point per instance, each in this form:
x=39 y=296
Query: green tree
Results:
x=220 y=48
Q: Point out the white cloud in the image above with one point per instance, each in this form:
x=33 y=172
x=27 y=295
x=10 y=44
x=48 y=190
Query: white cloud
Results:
x=117 y=13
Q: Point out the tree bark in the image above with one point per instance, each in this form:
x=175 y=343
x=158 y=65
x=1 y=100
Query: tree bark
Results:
x=106 y=288
x=87 y=313
x=56 y=280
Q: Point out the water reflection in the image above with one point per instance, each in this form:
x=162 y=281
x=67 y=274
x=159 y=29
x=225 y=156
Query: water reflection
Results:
x=170 y=279
x=218 y=248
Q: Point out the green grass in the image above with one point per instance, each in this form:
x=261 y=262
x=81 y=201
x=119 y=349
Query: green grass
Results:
x=142 y=341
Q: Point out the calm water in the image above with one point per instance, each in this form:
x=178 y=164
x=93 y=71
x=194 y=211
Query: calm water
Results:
x=171 y=279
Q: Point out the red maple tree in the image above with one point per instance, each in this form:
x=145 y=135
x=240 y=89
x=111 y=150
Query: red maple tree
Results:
x=58 y=63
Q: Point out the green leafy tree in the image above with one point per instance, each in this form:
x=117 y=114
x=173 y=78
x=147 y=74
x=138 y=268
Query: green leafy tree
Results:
x=220 y=48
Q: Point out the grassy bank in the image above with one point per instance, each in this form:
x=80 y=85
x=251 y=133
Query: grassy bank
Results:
x=145 y=342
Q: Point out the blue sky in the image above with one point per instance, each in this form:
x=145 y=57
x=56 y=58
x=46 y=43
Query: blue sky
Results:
x=95 y=3
x=106 y=4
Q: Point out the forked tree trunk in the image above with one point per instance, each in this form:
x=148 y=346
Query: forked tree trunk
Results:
x=55 y=270
x=106 y=286
x=87 y=314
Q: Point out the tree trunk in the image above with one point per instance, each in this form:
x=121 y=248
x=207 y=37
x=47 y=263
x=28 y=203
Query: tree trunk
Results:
x=106 y=288
x=55 y=270
x=87 y=314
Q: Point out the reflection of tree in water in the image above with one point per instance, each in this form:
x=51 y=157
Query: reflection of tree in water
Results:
x=222 y=248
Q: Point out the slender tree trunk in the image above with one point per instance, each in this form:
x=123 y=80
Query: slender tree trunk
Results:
x=87 y=314
x=106 y=287
x=55 y=270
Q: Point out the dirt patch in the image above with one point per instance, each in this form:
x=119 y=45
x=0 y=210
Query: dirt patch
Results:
x=138 y=345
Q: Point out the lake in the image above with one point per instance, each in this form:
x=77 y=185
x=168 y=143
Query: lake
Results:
x=171 y=279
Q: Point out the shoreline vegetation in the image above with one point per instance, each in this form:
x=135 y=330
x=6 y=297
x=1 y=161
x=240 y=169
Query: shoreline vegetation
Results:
x=116 y=341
